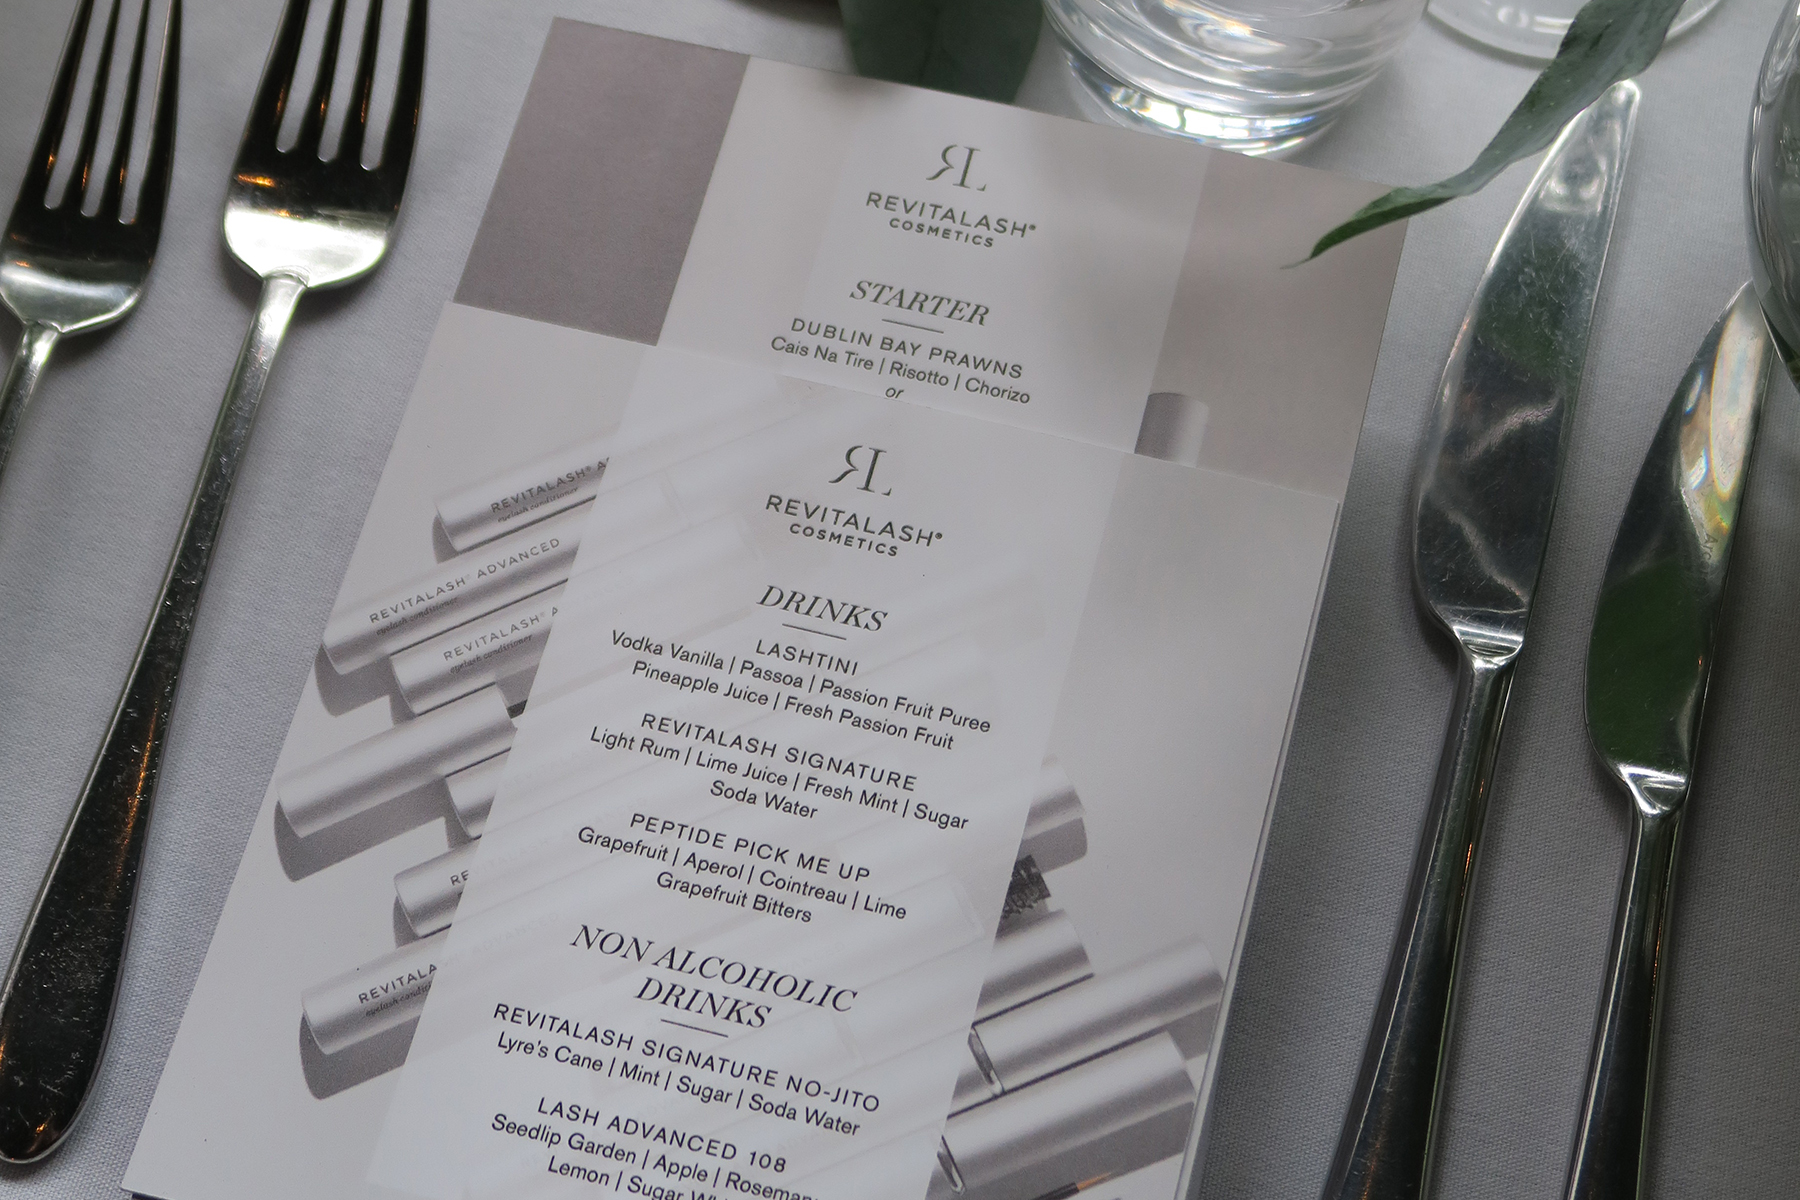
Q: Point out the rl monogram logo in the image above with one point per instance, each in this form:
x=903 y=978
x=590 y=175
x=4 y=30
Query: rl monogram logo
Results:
x=949 y=159
x=868 y=480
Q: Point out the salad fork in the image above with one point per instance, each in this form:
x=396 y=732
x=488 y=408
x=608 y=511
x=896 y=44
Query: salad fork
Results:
x=62 y=271
x=299 y=222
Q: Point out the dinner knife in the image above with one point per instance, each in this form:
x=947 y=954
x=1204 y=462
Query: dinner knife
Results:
x=1649 y=658
x=1486 y=490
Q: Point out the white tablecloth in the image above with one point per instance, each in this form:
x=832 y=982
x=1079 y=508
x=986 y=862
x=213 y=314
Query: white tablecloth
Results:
x=90 y=501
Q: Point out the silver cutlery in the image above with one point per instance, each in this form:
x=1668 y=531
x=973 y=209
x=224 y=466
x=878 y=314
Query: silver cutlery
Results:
x=1651 y=651
x=299 y=223
x=1486 y=490
x=61 y=270
x=1649 y=658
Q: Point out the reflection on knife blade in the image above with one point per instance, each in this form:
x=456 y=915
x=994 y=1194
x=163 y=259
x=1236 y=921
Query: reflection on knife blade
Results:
x=1649 y=659
x=1487 y=487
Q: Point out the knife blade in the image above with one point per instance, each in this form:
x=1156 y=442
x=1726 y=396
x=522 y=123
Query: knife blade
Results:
x=1650 y=656
x=1486 y=492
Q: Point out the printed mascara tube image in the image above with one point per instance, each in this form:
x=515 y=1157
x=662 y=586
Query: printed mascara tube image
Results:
x=523 y=494
x=454 y=591
x=364 y=774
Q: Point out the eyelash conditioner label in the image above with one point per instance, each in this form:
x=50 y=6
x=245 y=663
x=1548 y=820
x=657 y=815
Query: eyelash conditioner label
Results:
x=728 y=924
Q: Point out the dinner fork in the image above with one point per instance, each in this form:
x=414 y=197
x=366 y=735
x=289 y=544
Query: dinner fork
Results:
x=299 y=222
x=61 y=270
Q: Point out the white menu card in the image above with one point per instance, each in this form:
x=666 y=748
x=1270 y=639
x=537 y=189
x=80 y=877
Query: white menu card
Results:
x=759 y=823
x=726 y=376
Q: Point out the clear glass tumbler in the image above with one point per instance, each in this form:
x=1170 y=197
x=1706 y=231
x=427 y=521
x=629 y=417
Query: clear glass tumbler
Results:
x=1259 y=76
x=1534 y=28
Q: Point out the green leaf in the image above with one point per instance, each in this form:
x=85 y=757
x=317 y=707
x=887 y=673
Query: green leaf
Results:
x=971 y=47
x=1609 y=40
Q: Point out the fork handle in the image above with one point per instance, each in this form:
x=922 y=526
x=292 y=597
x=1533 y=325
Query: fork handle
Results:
x=57 y=1001
x=1384 y=1149
x=1610 y=1140
x=28 y=364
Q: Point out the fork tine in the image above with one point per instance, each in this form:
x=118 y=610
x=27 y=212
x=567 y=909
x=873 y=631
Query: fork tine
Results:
x=264 y=124
x=154 y=194
x=113 y=195
x=403 y=126
x=356 y=124
x=312 y=125
x=90 y=129
x=36 y=184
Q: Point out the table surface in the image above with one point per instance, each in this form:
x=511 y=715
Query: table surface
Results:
x=91 y=499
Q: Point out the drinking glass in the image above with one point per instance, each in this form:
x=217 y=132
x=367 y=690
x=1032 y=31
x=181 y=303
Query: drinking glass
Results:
x=1534 y=28
x=1260 y=76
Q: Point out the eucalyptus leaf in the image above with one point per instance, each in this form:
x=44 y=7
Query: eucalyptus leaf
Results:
x=1609 y=40
x=971 y=47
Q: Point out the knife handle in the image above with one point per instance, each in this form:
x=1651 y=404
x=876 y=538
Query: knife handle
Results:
x=1384 y=1151
x=1610 y=1139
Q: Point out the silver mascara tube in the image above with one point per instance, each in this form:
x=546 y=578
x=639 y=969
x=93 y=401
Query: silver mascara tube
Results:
x=523 y=494
x=1056 y=829
x=374 y=998
x=1022 y=1046
x=1031 y=958
x=429 y=892
x=1108 y=1116
x=430 y=900
x=454 y=591
x=397 y=760
x=472 y=792
x=507 y=642
x=1173 y=428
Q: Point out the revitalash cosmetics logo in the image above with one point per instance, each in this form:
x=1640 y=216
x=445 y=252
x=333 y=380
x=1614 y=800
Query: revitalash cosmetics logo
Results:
x=868 y=476
x=850 y=528
x=950 y=157
x=947 y=213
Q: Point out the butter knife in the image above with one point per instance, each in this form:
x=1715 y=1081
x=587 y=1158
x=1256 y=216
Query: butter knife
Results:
x=1649 y=657
x=1486 y=490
